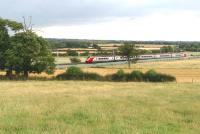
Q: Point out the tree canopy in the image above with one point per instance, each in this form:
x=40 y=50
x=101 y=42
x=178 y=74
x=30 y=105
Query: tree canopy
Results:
x=130 y=52
x=24 y=52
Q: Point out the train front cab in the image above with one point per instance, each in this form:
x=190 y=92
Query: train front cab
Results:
x=90 y=60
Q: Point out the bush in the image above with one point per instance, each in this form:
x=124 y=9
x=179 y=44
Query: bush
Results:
x=75 y=73
x=135 y=76
x=72 y=53
x=75 y=60
x=93 y=76
x=153 y=76
x=72 y=73
x=119 y=76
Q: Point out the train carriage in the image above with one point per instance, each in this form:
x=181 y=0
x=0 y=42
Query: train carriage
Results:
x=95 y=59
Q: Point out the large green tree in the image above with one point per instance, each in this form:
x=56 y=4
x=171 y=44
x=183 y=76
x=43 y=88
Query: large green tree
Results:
x=23 y=52
x=130 y=52
x=6 y=26
x=29 y=54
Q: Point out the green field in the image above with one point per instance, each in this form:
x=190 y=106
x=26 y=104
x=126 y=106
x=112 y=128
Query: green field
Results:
x=64 y=60
x=99 y=107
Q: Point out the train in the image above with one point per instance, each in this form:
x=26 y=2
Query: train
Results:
x=96 y=59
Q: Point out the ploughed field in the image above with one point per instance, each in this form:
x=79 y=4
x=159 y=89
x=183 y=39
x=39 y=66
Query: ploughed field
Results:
x=76 y=107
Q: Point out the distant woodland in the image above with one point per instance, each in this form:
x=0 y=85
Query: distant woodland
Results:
x=193 y=46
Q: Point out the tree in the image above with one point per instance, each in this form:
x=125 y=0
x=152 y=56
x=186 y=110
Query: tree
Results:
x=5 y=43
x=25 y=52
x=29 y=54
x=166 y=49
x=96 y=47
x=72 y=53
x=129 y=51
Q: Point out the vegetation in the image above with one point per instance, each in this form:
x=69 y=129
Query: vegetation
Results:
x=166 y=49
x=86 y=53
x=99 y=107
x=153 y=76
x=72 y=53
x=69 y=43
x=75 y=60
x=149 y=76
x=75 y=73
x=24 y=52
x=129 y=50
x=5 y=42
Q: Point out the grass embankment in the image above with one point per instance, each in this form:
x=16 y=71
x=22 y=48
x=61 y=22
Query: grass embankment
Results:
x=99 y=107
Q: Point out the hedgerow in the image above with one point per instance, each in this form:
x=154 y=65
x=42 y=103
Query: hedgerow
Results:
x=75 y=73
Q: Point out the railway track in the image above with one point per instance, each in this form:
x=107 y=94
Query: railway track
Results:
x=103 y=64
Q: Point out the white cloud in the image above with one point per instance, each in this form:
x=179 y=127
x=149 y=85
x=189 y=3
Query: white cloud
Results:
x=158 y=26
x=110 y=19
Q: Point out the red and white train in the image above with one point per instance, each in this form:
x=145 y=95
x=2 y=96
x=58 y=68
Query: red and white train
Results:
x=95 y=59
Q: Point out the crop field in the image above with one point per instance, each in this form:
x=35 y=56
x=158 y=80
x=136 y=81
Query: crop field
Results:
x=99 y=107
x=183 y=70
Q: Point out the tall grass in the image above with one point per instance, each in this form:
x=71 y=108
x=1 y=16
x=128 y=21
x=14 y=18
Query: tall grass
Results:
x=75 y=107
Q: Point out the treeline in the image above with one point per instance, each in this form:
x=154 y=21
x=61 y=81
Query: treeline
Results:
x=76 y=43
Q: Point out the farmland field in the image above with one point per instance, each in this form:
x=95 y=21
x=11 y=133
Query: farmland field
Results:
x=99 y=107
x=183 y=70
x=64 y=60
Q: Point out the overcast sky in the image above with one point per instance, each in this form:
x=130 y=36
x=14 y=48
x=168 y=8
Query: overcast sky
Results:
x=109 y=19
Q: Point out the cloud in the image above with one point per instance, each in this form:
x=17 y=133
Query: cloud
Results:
x=179 y=26
x=76 y=12
x=109 y=19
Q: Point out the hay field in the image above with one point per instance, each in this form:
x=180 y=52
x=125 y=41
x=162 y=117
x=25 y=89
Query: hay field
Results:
x=183 y=70
x=99 y=108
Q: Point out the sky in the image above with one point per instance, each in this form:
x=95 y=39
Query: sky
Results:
x=170 y=20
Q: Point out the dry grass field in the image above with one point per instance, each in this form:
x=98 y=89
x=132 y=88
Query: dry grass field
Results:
x=183 y=70
x=74 y=107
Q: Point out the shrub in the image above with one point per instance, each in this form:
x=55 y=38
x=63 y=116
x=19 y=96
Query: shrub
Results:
x=92 y=76
x=119 y=76
x=135 y=76
x=72 y=73
x=75 y=60
x=153 y=76
x=75 y=73
x=72 y=53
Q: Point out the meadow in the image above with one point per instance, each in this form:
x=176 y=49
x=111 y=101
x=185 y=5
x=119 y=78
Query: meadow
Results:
x=75 y=107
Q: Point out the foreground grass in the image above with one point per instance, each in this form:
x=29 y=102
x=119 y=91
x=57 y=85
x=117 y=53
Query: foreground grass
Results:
x=99 y=107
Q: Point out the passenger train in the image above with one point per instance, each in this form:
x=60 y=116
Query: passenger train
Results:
x=95 y=59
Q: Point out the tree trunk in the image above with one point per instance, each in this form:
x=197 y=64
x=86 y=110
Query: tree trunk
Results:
x=9 y=73
x=26 y=74
x=129 y=63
